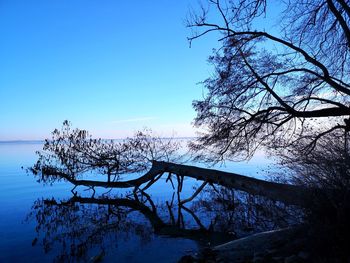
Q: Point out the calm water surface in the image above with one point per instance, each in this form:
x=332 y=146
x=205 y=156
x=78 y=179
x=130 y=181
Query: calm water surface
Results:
x=32 y=230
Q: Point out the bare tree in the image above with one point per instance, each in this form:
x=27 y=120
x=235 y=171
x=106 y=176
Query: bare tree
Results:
x=273 y=89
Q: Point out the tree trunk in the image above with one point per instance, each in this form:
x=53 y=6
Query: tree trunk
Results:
x=289 y=194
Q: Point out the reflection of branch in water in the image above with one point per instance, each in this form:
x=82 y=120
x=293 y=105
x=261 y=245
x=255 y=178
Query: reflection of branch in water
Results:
x=83 y=224
x=242 y=213
x=199 y=189
x=199 y=223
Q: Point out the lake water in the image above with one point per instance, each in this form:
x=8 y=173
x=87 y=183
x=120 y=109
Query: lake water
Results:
x=34 y=228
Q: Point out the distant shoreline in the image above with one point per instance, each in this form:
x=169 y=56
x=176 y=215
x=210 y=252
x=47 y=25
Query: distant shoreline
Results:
x=42 y=141
x=22 y=141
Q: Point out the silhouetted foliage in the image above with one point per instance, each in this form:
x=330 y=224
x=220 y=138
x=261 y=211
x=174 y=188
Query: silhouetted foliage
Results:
x=326 y=167
x=326 y=172
x=273 y=88
x=74 y=152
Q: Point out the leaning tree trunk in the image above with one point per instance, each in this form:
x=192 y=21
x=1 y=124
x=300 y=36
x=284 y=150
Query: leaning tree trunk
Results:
x=289 y=194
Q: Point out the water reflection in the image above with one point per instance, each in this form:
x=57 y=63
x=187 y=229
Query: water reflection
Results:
x=93 y=229
x=60 y=228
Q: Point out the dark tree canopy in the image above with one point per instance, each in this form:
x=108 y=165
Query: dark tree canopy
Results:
x=273 y=89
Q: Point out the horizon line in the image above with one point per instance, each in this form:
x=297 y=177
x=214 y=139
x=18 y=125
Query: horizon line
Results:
x=107 y=139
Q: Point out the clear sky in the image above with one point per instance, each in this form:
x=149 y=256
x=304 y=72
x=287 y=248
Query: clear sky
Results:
x=110 y=67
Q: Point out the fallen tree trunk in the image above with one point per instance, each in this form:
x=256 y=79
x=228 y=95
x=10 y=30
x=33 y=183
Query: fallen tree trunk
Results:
x=289 y=194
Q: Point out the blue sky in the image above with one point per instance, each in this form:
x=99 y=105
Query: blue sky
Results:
x=110 y=67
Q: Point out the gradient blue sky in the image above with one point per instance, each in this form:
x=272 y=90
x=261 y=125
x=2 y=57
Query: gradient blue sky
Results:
x=110 y=67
